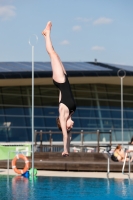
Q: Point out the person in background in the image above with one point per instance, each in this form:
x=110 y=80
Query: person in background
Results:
x=118 y=154
x=130 y=150
x=131 y=142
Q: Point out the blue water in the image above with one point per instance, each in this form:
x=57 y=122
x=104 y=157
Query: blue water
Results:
x=56 y=188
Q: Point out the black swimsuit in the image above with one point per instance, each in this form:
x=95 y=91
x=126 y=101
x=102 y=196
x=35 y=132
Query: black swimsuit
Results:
x=66 y=94
x=114 y=158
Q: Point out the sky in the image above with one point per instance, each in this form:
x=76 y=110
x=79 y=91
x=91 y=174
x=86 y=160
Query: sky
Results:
x=82 y=30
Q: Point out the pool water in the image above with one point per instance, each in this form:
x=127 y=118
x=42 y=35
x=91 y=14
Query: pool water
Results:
x=56 y=188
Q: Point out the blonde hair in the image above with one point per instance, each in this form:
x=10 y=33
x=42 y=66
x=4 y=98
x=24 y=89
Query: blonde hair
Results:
x=58 y=124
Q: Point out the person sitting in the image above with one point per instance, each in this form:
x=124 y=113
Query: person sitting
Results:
x=131 y=142
x=130 y=150
x=118 y=154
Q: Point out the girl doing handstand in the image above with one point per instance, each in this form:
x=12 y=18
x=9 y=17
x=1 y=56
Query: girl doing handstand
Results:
x=67 y=104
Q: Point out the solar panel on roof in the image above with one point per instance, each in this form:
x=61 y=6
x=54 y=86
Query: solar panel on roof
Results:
x=124 y=67
x=24 y=66
x=84 y=66
x=43 y=66
x=69 y=66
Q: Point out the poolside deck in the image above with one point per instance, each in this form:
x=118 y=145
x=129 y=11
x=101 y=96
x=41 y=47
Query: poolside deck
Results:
x=84 y=162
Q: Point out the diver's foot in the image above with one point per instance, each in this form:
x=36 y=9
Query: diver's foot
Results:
x=65 y=154
x=47 y=28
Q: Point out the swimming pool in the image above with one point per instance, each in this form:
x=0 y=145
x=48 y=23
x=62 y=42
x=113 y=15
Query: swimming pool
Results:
x=56 y=188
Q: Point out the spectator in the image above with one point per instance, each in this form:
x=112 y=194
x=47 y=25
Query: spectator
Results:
x=118 y=155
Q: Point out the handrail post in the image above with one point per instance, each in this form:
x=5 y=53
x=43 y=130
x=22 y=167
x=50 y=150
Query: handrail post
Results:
x=82 y=140
x=35 y=134
x=129 y=168
x=50 y=140
x=41 y=140
x=110 y=139
x=98 y=138
x=108 y=167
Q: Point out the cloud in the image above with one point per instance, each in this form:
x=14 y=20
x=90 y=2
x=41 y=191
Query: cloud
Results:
x=6 y=1
x=76 y=28
x=97 y=48
x=102 y=20
x=7 y=12
x=64 y=42
x=81 y=19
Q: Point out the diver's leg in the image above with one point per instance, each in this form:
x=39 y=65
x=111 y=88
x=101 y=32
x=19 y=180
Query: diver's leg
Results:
x=58 y=71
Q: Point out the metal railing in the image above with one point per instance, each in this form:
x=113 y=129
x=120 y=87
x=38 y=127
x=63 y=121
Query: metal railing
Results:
x=81 y=145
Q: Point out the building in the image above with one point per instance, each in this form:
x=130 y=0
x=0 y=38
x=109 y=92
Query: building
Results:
x=97 y=91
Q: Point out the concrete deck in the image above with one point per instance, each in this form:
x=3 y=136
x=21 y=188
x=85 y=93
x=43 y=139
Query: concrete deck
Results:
x=72 y=174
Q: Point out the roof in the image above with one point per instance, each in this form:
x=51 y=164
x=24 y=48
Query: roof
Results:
x=43 y=69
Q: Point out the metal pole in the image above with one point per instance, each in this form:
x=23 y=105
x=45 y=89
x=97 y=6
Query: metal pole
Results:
x=8 y=162
x=41 y=141
x=82 y=140
x=122 y=109
x=32 y=111
x=110 y=139
x=98 y=138
x=129 y=168
x=50 y=140
x=108 y=167
x=121 y=73
x=35 y=134
x=36 y=39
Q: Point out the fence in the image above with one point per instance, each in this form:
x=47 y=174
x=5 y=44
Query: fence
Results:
x=81 y=145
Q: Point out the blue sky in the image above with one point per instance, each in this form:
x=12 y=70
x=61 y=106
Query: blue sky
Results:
x=83 y=30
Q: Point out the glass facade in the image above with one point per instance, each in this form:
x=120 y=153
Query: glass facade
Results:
x=98 y=108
